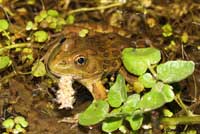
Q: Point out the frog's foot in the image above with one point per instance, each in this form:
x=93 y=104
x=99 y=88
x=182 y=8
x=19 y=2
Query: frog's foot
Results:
x=71 y=120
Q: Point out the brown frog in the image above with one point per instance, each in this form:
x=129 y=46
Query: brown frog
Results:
x=87 y=59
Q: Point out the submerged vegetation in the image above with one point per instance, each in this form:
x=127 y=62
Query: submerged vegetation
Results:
x=164 y=97
x=132 y=107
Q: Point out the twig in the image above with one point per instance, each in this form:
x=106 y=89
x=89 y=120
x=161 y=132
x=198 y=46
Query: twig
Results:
x=18 y=45
x=95 y=8
x=181 y=120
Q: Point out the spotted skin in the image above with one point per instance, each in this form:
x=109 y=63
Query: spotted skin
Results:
x=88 y=58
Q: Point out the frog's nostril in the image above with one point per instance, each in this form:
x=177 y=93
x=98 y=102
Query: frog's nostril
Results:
x=62 y=62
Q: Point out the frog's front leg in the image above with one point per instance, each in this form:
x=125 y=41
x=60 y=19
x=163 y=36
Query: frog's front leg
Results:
x=72 y=119
x=99 y=91
x=96 y=88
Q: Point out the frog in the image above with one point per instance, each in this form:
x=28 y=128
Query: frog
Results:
x=88 y=59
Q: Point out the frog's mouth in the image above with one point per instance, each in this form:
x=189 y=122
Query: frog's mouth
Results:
x=51 y=74
x=48 y=58
x=60 y=75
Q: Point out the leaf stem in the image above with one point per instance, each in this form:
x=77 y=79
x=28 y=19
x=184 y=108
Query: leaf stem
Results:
x=181 y=120
x=18 y=45
x=153 y=72
x=182 y=105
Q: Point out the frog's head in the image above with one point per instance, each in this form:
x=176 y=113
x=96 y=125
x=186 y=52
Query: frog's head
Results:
x=74 y=58
x=87 y=59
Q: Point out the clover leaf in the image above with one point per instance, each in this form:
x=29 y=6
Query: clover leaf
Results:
x=38 y=69
x=40 y=36
x=138 y=60
x=5 y=61
x=159 y=95
x=174 y=71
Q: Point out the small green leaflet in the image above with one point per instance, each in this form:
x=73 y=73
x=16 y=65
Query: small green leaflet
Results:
x=5 y=61
x=38 y=69
x=159 y=95
x=3 y=25
x=40 y=36
x=95 y=113
x=112 y=123
x=118 y=92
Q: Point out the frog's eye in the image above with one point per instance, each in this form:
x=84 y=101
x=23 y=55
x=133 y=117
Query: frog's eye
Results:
x=80 y=60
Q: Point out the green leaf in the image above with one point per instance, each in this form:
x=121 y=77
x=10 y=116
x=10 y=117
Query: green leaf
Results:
x=83 y=32
x=167 y=30
x=174 y=71
x=3 y=25
x=38 y=69
x=137 y=60
x=8 y=123
x=41 y=16
x=53 y=25
x=118 y=92
x=70 y=19
x=184 y=37
x=135 y=121
x=168 y=93
x=5 y=62
x=147 y=80
x=151 y=100
x=94 y=114
x=131 y=104
x=50 y=19
x=111 y=124
x=21 y=120
x=18 y=129
x=53 y=13
x=167 y=113
x=159 y=95
x=29 y=25
x=123 y=129
x=165 y=90
x=40 y=36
